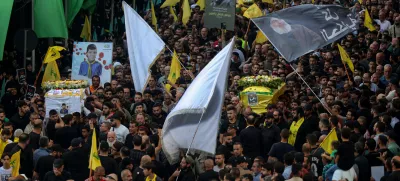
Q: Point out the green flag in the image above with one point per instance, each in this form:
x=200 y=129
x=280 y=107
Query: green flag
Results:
x=49 y=19
x=73 y=9
x=5 y=13
x=89 y=5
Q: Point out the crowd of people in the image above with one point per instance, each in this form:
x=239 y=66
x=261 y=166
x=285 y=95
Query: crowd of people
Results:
x=363 y=107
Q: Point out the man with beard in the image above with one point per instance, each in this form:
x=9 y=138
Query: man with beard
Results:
x=111 y=138
x=76 y=161
x=185 y=173
x=95 y=84
x=108 y=95
x=308 y=126
x=120 y=130
x=302 y=39
x=107 y=112
x=279 y=121
x=105 y=127
x=232 y=120
x=158 y=115
x=219 y=162
x=133 y=129
x=65 y=134
x=21 y=119
x=51 y=124
x=278 y=150
x=45 y=163
x=270 y=133
x=226 y=146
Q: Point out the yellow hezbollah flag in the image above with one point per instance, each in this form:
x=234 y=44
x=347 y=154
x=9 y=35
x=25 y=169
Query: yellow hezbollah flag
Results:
x=15 y=163
x=169 y=3
x=294 y=128
x=175 y=71
x=51 y=73
x=94 y=160
x=268 y=1
x=326 y=144
x=186 y=12
x=345 y=58
x=368 y=21
x=202 y=4
x=53 y=53
x=261 y=38
x=86 y=30
x=153 y=16
x=253 y=12
x=3 y=145
x=171 y=10
x=258 y=97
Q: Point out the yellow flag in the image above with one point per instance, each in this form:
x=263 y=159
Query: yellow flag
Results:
x=186 y=12
x=294 y=128
x=253 y=12
x=360 y=1
x=86 y=30
x=312 y=1
x=15 y=163
x=240 y=2
x=368 y=21
x=169 y=3
x=345 y=58
x=268 y=1
x=326 y=144
x=202 y=4
x=53 y=53
x=94 y=160
x=175 y=71
x=153 y=16
x=261 y=38
x=171 y=10
x=51 y=73
x=3 y=145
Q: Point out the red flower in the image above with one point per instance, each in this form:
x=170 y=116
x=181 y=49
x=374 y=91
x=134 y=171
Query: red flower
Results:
x=101 y=54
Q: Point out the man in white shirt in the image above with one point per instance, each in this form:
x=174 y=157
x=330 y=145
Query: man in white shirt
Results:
x=120 y=130
x=385 y=24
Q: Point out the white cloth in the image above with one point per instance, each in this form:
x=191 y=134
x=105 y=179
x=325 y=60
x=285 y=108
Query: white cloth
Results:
x=144 y=45
x=198 y=111
x=121 y=133
x=342 y=175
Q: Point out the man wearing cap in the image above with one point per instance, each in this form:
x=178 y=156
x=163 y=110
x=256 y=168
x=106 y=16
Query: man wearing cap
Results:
x=77 y=160
x=45 y=163
x=120 y=130
x=58 y=173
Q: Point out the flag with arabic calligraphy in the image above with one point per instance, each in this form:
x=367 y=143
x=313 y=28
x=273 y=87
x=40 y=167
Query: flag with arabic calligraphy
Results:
x=302 y=29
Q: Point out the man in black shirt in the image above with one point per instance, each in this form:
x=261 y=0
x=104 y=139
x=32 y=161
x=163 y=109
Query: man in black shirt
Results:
x=77 y=161
x=51 y=124
x=316 y=152
x=26 y=158
x=109 y=164
x=21 y=119
x=345 y=152
x=58 y=173
x=45 y=163
x=34 y=136
x=158 y=115
x=133 y=129
x=209 y=173
x=250 y=138
x=278 y=150
x=65 y=134
x=137 y=153
x=395 y=176
x=270 y=134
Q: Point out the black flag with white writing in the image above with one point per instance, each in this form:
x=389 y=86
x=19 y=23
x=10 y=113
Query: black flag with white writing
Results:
x=302 y=29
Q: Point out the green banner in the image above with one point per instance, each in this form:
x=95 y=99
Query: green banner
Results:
x=5 y=13
x=220 y=14
x=50 y=19
x=73 y=8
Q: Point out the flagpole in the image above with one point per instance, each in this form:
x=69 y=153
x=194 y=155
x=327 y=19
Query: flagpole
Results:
x=33 y=28
x=195 y=132
x=40 y=70
x=308 y=86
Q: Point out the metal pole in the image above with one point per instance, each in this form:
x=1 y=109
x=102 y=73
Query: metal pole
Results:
x=25 y=40
x=33 y=28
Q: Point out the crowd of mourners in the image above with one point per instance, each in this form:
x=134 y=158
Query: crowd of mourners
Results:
x=363 y=107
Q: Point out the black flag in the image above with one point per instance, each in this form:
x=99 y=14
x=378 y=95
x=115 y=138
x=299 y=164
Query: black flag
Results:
x=301 y=29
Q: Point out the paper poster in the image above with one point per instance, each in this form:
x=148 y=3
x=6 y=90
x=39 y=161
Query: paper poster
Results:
x=30 y=92
x=21 y=74
x=63 y=105
x=220 y=14
x=90 y=59
x=377 y=172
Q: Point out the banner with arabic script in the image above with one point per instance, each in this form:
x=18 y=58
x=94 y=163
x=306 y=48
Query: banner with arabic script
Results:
x=302 y=29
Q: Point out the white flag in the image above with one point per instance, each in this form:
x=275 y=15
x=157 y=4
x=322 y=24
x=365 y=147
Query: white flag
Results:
x=202 y=102
x=144 y=46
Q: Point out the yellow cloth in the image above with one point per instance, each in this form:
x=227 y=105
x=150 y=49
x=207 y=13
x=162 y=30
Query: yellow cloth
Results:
x=175 y=71
x=154 y=178
x=368 y=21
x=94 y=160
x=202 y=4
x=268 y=1
x=253 y=12
x=258 y=97
x=2 y=146
x=15 y=163
x=153 y=16
x=171 y=10
x=345 y=58
x=53 y=53
x=51 y=73
x=261 y=38
x=360 y=1
x=186 y=12
x=326 y=144
x=294 y=128
x=169 y=3
x=86 y=30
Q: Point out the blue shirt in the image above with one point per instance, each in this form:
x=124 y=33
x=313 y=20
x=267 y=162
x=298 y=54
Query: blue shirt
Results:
x=39 y=153
x=257 y=177
x=286 y=173
x=96 y=69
